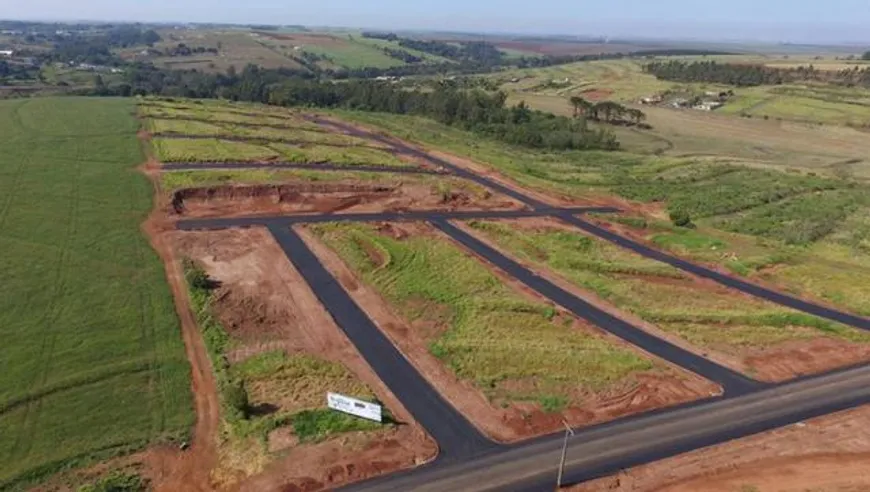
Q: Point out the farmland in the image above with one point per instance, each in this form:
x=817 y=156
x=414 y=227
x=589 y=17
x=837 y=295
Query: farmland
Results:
x=812 y=127
x=93 y=360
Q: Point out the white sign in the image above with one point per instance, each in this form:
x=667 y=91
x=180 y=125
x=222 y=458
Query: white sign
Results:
x=353 y=406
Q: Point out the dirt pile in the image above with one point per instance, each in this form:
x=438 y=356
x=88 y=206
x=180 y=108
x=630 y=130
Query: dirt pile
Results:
x=250 y=199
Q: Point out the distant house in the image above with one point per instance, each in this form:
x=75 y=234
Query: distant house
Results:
x=6 y=53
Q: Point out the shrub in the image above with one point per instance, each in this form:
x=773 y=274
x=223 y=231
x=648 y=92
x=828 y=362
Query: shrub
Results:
x=681 y=218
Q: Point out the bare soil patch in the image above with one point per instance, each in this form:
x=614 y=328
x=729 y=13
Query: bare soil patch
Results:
x=239 y=200
x=266 y=305
x=830 y=453
x=518 y=421
x=597 y=94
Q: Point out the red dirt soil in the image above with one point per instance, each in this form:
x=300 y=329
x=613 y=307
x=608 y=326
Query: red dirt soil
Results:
x=169 y=468
x=241 y=200
x=597 y=94
x=830 y=453
x=265 y=304
x=777 y=363
x=659 y=388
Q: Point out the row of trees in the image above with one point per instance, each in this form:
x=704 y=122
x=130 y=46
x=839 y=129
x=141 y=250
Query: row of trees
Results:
x=606 y=111
x=473 y=110
x=752 y=75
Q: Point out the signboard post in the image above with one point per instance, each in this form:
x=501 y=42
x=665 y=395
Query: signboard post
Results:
x=359 y=408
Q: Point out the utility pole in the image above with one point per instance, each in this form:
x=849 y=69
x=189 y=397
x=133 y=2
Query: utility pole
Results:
x=568 y=432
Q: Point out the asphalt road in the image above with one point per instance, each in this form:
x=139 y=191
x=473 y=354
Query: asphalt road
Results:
x=457 y=439
x=726 y=280
x=325 y=166
x=733 y=382
x=223 y=223
x=468 y=460
x=453 y=168
x=609 y=448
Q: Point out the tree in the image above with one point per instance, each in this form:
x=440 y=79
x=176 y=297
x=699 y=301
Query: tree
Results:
x=150 y=37
x=581 y=106
x=681 y=218
x=637 y=115
x=866 y=55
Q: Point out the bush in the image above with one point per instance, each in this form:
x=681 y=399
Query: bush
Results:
x=116 y=482
x=196 y=277
x=681 y=218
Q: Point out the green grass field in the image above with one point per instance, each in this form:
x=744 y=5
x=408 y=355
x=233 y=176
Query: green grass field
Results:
x=717 y=319
x=512 y=348
x=785 y=126
x=92 y=354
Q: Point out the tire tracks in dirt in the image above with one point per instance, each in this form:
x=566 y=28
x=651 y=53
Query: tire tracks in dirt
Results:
x=188 y=470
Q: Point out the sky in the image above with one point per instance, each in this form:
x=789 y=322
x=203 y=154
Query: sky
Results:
x=796 y=21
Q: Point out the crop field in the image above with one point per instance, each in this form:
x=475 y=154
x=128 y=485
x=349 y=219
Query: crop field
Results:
x=92 y=354
x=343 y=51
x=512 y=348
x=716 y=319
x=235 y=49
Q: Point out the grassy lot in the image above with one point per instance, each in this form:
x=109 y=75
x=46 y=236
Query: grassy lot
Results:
x=270 y=390
x=835 y=269
x=794 y=207
x=92 y=355
x=210 y=150
x=201 y=128
x=718 y=319
x=174 y=180
x=512 y=348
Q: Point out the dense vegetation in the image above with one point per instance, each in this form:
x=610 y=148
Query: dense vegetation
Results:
x=93 y=362
x=478 y=111
x=752 y=75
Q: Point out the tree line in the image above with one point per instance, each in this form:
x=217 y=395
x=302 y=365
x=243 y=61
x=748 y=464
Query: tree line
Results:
x=473 y=110
x=606 y=112
x=744 y=75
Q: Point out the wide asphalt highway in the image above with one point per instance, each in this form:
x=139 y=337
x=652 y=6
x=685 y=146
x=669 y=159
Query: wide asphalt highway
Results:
x=732 y=382
x=609 y=448
x=457 y=439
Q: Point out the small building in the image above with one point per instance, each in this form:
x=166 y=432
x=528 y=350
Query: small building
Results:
x=6 y=53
